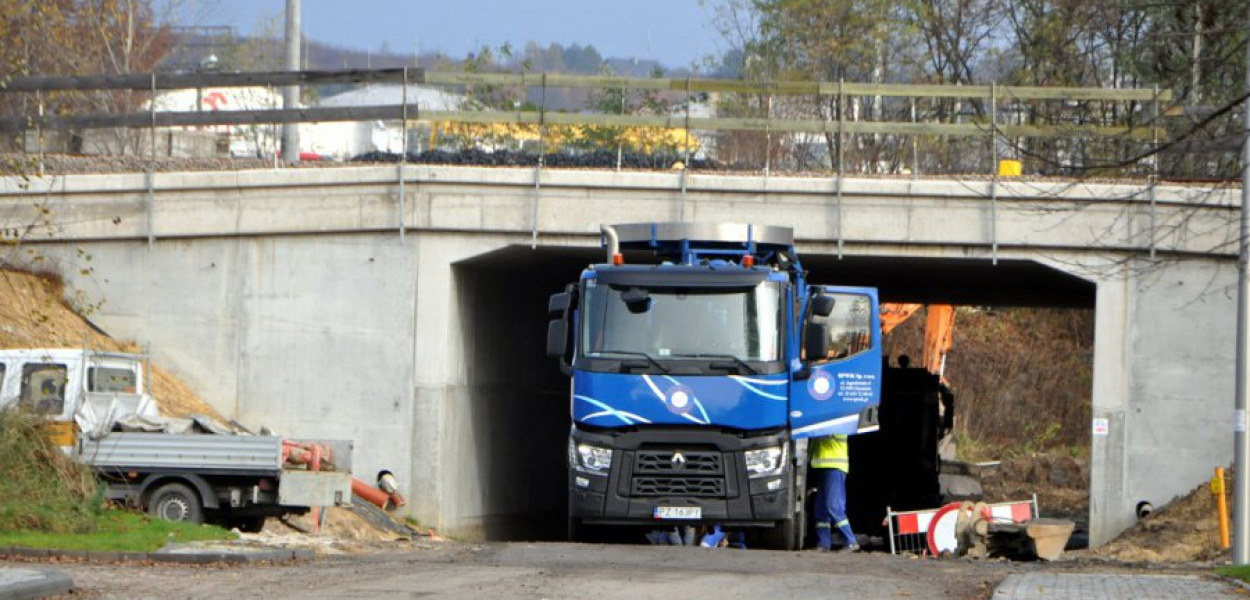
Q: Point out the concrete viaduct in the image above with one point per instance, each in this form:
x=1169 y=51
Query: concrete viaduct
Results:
x=340 y=303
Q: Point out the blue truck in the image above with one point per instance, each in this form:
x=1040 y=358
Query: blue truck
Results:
x=700 y=368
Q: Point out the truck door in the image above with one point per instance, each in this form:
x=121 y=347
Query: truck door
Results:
x=838 y=393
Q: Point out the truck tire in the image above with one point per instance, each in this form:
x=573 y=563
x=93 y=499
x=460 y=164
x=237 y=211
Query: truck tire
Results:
x=785 y=535
x=575 y=531
x=250 y=524
x=176 y=502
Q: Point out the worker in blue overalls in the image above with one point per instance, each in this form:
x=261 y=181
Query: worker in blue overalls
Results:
x=830 y=466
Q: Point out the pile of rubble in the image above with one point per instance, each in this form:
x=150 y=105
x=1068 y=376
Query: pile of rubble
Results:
x=1185 y=530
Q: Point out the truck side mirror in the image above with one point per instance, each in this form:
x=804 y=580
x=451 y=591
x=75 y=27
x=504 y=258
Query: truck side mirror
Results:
x=816 y=341
x=822 y=305
x=557 y=338
x=558 y=303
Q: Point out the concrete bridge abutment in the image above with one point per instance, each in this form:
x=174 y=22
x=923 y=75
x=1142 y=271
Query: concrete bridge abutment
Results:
x=291 y=299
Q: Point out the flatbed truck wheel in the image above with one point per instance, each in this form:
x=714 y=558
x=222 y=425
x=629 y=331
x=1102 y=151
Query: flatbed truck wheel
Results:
x=249 y=524
x=176 y=502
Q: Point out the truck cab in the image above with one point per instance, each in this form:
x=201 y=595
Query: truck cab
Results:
x=697 y=377
x=75 y=390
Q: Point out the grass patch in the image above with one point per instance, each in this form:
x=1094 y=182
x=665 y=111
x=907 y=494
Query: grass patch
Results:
x=118 y=531
x=1241 y=572
x=42 y=489
x=49 y=501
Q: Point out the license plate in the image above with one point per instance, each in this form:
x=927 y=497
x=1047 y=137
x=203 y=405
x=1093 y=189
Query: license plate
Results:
x=679 y=512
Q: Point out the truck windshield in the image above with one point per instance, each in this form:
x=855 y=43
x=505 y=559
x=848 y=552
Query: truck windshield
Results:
x=675 y=322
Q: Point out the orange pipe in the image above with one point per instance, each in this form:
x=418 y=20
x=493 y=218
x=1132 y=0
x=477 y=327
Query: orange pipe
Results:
x=369 y=493
x=315 y=456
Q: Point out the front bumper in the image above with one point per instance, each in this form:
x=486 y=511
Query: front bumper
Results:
x=712 y=477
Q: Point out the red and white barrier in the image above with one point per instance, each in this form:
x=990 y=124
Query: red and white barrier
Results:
x=932 y=531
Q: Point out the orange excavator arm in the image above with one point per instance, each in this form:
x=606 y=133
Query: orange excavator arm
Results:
x=894 y=314
x=939 y=329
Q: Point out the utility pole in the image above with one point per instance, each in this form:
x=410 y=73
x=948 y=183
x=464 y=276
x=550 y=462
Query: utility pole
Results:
x=290 y=95
x=1241 y=450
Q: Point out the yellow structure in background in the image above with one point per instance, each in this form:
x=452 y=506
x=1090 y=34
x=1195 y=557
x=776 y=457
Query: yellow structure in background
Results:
x=1010 y=168
x=498 y=136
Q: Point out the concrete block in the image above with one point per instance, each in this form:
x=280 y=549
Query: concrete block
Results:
x=24 y=552
x=80 y=555
x=104 y=557
x=959 y=487
x=24 y=583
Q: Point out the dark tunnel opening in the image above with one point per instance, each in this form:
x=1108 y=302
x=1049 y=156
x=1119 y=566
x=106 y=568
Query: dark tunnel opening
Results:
x=519 y=406
x=519 y=397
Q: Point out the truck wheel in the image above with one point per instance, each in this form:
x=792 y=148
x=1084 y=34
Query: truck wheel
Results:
x=250 y=524
x=176 y=502
x=785 y=535
x=575 y=531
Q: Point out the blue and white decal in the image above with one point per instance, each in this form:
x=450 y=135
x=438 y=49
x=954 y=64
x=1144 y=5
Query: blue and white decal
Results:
x=821 y=385
x=838 y=390
x=622 y=400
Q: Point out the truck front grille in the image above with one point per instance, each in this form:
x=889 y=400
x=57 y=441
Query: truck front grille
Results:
x=692 y=462
x=708 y=487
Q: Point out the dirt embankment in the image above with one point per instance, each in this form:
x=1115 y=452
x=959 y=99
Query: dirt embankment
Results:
x=1185 y=530
x=34 y=314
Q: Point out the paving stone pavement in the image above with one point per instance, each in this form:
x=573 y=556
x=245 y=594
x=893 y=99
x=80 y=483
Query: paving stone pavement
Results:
x=1094 y=586
x=33 y=583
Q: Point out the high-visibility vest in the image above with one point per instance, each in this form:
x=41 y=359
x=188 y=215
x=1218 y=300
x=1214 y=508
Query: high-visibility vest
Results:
x=830 y=453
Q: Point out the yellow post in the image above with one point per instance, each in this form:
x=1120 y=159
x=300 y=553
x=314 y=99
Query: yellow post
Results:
x=1221 y=505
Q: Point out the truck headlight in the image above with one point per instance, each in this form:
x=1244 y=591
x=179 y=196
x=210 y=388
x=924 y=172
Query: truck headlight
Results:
x=765 y=461
x=590 y=459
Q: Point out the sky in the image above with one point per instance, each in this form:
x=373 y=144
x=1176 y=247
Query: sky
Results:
x=677 y=33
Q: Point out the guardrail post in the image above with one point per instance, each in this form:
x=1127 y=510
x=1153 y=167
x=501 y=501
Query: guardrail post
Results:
x=768 y=134
x=403 y=153
x=994 y=171
x=841 y=158
x=915 y=152
x=685 y=165
x=620 y=137
x=538 y=166
x=151 y=175
x=1154 y=171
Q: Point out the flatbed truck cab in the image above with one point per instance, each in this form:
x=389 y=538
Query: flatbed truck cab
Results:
x=699 y=376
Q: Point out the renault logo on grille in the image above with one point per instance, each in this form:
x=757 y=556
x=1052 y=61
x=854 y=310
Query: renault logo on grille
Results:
x=678 y=461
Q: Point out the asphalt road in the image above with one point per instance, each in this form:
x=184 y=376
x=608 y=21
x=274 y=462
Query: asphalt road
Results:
x=556 y=570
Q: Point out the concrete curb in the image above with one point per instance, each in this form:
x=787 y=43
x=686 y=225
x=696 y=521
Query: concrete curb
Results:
x=25 y=584
x=174 y=555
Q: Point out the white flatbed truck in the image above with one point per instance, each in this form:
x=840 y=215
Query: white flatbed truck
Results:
x=234 y=480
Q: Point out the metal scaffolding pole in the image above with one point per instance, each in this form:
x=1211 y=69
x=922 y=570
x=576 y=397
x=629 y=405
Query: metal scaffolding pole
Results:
x=1241 y=450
